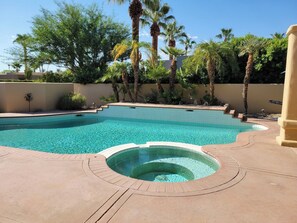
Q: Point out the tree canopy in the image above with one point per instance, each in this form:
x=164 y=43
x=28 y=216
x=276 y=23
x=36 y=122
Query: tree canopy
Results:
x=78 y=38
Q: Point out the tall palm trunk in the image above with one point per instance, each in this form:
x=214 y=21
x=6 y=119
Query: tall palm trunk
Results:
x=173 y=67
x=155 y=32
x=135 y=64
x=25 y=58
x=126 y=84
x=172 y=76
x=171 y=43
x=211 y=76
x=246 y=80
x=135 y=11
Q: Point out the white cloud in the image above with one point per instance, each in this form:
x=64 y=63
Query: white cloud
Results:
x=144 y=34
x=192 y=37
x=161 y=38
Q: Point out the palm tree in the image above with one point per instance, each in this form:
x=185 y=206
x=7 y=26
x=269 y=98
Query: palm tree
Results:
x=135 y=12
x=17 y=66
x=172 y=33
x=211 y=54
x=135 y=55
x=29 y=97
x=174 y=53
x=113 y=74
x=188 y=43
x=226 y=35
x=155 y=15
x=25 y=41
x=278 y=35
x=250 y=46
x=156 y=71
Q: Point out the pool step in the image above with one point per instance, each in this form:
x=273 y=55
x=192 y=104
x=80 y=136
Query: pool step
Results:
x=235 y=114
x=102 y=108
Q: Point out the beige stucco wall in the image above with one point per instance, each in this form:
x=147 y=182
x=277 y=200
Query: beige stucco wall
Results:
x=46 y=95
x=2 y=97
x=53 y=92
x=93 y=92
x=258 y=95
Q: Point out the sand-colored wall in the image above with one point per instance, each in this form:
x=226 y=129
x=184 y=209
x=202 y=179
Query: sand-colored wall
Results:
x=2 y=98
x=93 y=92
x=45 y=96
x=258 y=95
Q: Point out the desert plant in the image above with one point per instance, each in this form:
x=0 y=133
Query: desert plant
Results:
x=72 y=101
x=172 y=97
x=109 y=99
x=250 y=47
x=29 y=97
x=152 y=97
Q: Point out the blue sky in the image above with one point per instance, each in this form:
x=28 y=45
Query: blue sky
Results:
x=202 y=19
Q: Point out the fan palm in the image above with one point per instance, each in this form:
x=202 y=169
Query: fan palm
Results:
x=226 y=35
x=174 y=53
x=172 y=33
x=25 y=41
x=250 y=46
x=211 y=55
x=188 y=43
x=135 y=12
x=278 y=35
x=155 y=15
x=133 y=47
x=156 y=71
x=113 y=74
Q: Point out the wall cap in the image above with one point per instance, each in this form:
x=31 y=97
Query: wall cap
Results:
x=292 y=29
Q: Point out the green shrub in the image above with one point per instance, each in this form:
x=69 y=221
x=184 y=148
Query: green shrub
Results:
x=58 y=77
x=173 y=98
x=206 y=100
x=72 y=101
x=109 y=99
x=152 y=97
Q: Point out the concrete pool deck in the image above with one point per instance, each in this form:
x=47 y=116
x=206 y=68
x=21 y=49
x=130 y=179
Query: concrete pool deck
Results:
x=257 y=183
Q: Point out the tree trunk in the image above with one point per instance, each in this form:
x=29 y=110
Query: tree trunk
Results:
x=211 y=76
x=159 y=87
x=246 y=80
x=126 y=84
x=172 y=75
x=171 y=43
x=155 y=32
x=135 y=64
x=135 y=11
x=115 y=91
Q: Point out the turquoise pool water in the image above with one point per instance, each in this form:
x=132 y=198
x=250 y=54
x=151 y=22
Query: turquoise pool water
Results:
x=92 y=133
x=162 y=164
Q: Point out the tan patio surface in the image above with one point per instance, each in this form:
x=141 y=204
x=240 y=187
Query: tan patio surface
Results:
x=256 y=183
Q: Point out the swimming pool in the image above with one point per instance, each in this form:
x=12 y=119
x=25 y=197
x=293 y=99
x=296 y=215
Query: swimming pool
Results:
x=92 y=133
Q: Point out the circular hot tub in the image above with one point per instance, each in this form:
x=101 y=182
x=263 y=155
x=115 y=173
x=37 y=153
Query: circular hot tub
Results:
x=161 y=162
